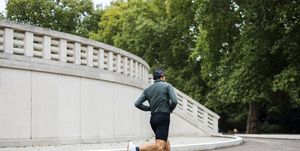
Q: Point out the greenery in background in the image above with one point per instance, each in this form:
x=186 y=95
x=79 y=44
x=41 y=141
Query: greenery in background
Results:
x=2 y=16
x=72 y=16
x=239 y=58
x=250 y=55
x=163 y=33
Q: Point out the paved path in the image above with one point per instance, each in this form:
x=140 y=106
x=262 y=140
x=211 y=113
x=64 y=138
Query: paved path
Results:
x=118 y=146
x=261 y=144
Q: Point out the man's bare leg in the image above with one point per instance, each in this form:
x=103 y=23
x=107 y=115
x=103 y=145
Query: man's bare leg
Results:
x=168 y=146
x=159 y=145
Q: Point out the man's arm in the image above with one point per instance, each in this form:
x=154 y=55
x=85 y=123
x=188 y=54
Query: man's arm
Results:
x=139 y=103
x=172 y=97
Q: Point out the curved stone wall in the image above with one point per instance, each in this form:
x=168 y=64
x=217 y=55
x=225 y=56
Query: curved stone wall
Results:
x=57 y=88
x=58 y=108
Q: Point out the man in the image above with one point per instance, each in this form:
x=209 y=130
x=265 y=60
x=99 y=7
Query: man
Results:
x=162 y=101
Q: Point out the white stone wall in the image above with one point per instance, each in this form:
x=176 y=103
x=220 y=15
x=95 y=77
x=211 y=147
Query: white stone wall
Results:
x=39 y=105
x=15 y=104
x=58 y=88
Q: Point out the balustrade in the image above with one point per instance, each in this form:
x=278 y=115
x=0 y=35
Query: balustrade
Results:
x=198 y=113
x=30 y=41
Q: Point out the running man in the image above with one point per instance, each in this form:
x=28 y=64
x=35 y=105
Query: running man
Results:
x=162 y=100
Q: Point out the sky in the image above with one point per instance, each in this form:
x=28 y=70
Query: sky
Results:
x=103 y=2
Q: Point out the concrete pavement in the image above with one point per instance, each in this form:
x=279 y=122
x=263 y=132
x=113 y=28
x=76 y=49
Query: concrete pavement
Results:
x=183 y=143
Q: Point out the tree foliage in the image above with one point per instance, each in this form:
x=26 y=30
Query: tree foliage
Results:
x=61 y=15
x=162 y=32
x=250 y=53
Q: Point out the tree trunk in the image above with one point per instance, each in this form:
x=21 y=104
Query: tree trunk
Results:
x=252 y=118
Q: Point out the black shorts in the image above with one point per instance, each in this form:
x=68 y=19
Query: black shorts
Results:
x=160 y=123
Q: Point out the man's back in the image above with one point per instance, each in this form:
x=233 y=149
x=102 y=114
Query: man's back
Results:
x=158 y=95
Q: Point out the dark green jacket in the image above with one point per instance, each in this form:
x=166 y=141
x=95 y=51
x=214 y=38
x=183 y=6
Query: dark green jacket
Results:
x=161 y=97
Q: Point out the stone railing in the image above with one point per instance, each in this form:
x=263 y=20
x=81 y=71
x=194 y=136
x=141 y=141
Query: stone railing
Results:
x=30 y=41
x=44 y=44
x=196 y=114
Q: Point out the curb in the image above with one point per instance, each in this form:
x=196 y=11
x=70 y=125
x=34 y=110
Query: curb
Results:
x=196 y=147
x=208 y=146
x=270 y=136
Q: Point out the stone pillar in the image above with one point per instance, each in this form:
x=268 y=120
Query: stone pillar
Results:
x=110 y=61
x=136 y=69
x=101 y=59
x=63 y=50
x=140 y=71
x=195 y=112
x=77 y=53
x=143 y=73
x=131 y=68
x=28 y=44
x=8 y=40
x=216 y=128
x=90 y=56
x=125 y=66
x=47 y=47
x=184 y=105
x=205 y=118
x=118 y=63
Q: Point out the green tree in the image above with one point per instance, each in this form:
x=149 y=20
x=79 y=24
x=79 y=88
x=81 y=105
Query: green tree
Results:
x=163 y=32
x=61 y=15
x=242 y=50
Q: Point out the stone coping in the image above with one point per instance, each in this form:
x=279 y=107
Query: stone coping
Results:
x=43 y=65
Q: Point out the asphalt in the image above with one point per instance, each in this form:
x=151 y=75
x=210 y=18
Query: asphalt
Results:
x=265 y=144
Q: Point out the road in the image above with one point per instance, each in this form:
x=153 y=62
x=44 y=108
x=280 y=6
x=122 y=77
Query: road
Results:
x=259 y=144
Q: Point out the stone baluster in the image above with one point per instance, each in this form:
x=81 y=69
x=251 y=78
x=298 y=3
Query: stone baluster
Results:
x=131 y=68
x=118 y=63
x=28 y=44
x=125 y=66
x=77 y=53
x=143 y=73
x=136 y=69
x=195 y=111
x=8 y=40
x=47 y=47
x=140 y=72
x=184 y=105
x=101 y=58
x=62 y=50
x=215 y=120
x=205 y=118
x=110 y=61
x=90 y=55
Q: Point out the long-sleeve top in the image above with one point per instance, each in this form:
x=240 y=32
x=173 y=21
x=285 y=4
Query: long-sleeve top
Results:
x=161 y=97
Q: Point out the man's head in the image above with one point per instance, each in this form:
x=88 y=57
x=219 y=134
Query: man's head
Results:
x=159 y=74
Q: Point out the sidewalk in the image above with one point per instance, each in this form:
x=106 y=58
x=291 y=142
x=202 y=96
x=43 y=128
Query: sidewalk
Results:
x=272 y=136
x=177 y=144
